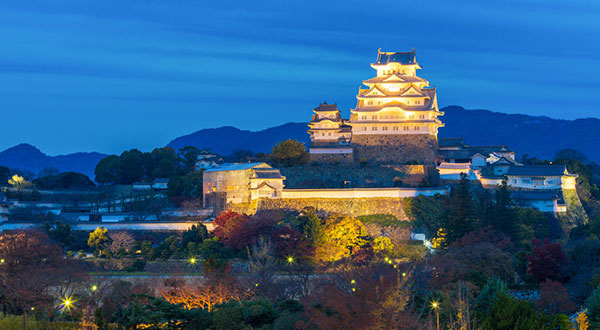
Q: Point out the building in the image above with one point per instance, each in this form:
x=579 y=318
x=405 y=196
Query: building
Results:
x=4 y=208
x=207 y=159
x=232 y=183
x=160 y=183
x=395 y=120
x=330 y=136
x=396 y=116
x=540 y=177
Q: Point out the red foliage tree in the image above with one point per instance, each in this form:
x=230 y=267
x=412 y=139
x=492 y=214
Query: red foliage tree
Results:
x=291 y=243
x=554 y=298
x=226 y=223
x=547 y=260
x=30 y=265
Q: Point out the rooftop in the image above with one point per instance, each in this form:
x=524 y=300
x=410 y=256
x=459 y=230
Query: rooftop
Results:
x=396 y=57
x=451 y=142
x=236 y=167
x=537 y=170
x=268 y=174
x=326 y=107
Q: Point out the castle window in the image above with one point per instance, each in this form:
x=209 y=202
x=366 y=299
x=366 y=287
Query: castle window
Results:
x=364 y=128
x=405 y=128
x=395 y=128
x=373 y=117
x=417 y=102
x=374 y=128
x=364 y=117
x=407 y=102
x=416 y=128
x=422 y=116
x=384 y=128
x=370 y=103
x=411 y=117
x=329 y=134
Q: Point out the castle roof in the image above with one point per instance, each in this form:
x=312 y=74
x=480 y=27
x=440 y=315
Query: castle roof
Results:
x=451 y=142
x=326 y=107
x=237 y=167
x=267 y=173
x=537 y=170
x=396 y=57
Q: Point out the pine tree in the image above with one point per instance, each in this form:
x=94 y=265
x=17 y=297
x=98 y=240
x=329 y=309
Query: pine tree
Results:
x=460 y=218
x=503 y=215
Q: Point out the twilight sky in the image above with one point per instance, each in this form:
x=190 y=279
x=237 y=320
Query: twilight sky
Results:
x=112 y=75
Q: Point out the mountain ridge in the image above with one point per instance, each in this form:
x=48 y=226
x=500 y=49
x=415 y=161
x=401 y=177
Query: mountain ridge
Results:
x=538 y=136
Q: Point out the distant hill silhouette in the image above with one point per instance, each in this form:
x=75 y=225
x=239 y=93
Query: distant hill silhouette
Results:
x=224 y=140
x=29 y=158
x=541 y=137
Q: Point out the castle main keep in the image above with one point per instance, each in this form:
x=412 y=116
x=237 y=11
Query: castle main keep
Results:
x=395 y=120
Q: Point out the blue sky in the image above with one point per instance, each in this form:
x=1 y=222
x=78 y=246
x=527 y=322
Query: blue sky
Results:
x=112 y=75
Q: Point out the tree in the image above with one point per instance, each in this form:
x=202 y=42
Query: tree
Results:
x=19 y=183
x=98 y=239
x=131 y=167
x=288 y=153
x=60 y=232
x=196 y=234
x=459 y=218
x=108 y=170
x=164 y=161
x=4 y=175
x=592 y=304
x=508 y=313
x=66 y=180
x=188 y=156
x=121 y=241
x=547 y=260
x=344 y=236
x=226 y=223
x=554 y=298
x=30 y=264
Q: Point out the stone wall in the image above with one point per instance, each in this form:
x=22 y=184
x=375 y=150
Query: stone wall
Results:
x=345 y=206
x=342 y=159
x=395 y=148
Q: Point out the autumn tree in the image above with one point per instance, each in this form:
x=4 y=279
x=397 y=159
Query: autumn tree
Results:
x=343 y=236
x=554 y=298
x=98 y=239
x=288 y=153
x=121 y=241
x=30 y=264
x=547 y=260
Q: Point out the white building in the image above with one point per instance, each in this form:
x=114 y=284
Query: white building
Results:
x=540 y=177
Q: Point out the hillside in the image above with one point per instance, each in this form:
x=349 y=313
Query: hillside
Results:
x=29 y=158
x=536 y=136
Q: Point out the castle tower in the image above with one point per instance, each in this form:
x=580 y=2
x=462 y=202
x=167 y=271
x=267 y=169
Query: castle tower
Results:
x=329 y=135
x=396 y=117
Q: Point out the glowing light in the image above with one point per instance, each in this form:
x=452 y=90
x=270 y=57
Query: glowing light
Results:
x=353 y=289
x=32 y=308
x=403 y=274
x=67 y=303
x=434 y=304
x=2 y=261
x=290 y=260
x=94 y=288
x=192 y=260
x=395 y=266
x=353 y=282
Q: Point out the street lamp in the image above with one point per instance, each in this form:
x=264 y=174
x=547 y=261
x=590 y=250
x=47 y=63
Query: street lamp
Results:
x=436 y=307
x=290 y=260
x=94 y=288
x=192 y=261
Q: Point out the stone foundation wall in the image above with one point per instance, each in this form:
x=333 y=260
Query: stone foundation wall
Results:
x=397 y=148
x=343 y=159
x=344 y=206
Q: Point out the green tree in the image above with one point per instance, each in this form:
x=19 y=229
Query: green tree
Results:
x=60 y=232
x=98 y=239
x=509 y=313
x=108 y=170
x=593 y=308
x=165 y=162
x=188 y=156
x=4 y=175
x=288 y=153
x=460 y=217
x=132 y=167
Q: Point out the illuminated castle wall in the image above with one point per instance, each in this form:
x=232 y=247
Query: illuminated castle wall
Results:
x=395 y=119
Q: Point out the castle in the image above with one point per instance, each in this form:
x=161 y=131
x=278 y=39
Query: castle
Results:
x=395 y=120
